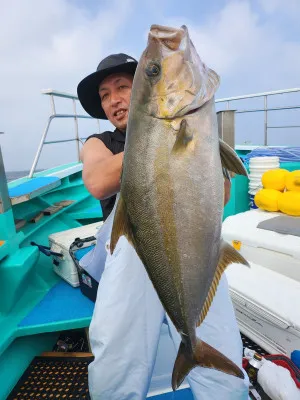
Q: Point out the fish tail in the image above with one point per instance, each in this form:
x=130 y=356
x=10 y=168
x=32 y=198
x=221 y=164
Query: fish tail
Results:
x=204 y=356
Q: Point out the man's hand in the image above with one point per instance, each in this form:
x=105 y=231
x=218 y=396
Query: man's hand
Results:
x=227 y=187
x=101 y=169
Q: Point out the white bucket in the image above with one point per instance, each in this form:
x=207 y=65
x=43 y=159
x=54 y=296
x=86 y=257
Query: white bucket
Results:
x=269 y=162
x=254 y=184
x=254 y=189
x=252 y=193
x=255 y=179
x=258 y=166
x=255 y=176
x=260 y=170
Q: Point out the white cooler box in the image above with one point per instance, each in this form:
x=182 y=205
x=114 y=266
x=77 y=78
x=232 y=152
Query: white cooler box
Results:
x=266 y=297
x=266 y=306
x=276 y=251
x=60 y=243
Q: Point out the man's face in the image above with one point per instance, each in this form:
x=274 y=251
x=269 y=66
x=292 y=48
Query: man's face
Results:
x=114 y=92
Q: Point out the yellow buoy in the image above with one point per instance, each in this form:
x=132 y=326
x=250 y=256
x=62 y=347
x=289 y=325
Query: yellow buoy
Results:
x=292 y=180
x=267 y=199
x=274 y=179
x=289 y=203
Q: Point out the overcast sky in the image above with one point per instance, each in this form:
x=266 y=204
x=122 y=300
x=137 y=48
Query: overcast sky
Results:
x=253 y=45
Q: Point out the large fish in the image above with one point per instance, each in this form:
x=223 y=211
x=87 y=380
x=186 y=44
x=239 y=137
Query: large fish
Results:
x=172 y=189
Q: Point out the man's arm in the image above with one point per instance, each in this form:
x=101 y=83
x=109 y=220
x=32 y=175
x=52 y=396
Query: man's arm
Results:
x=101 y=169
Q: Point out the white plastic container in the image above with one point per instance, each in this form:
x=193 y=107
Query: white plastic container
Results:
x=260 y=171
x=255 y=184
x=258 y=166
x=252 y=193
x=60 y=243
x=262 y=162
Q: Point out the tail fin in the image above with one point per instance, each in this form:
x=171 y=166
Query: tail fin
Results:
x=204 y=356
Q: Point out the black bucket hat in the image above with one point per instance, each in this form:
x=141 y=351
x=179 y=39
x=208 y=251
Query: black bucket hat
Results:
x=87 y=89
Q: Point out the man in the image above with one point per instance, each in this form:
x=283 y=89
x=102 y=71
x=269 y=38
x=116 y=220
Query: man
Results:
x=128 y=315
x=106 y=95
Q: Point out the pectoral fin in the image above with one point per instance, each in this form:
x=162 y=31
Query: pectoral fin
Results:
x=183 y=138
x=121 y=225
x=230 y=160
x=228 y=255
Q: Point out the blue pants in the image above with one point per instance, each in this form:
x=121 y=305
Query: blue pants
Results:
x=126 y=329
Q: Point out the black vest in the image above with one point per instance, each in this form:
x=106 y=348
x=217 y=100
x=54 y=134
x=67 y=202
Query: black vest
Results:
x=115 y=142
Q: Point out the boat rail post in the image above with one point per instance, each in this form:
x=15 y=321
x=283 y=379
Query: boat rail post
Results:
x=226 y=126
x=39 y=150
x=5 y=203
x=76 y=130
x=266 y=120
x=38 y=153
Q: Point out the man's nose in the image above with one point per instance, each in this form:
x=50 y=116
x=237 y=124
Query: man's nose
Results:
x=115 y=98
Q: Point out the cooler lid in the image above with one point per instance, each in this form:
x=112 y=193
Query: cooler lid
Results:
x=65 y=238
x=243 y=228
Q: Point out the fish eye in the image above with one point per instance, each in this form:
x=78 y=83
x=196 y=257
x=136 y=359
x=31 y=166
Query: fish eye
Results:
x=153 y=69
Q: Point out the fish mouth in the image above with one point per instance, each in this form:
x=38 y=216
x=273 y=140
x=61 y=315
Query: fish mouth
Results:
x=193 y=111
x=166 y=30
x=180 y=114
x=169 y=37
x=183 y=113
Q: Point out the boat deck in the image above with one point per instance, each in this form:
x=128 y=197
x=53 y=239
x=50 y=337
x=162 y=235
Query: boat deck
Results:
x=63 y=307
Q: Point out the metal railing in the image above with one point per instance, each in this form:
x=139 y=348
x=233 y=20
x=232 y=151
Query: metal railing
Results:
x=265 y=108
x=228 y=100
x=54 y=115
